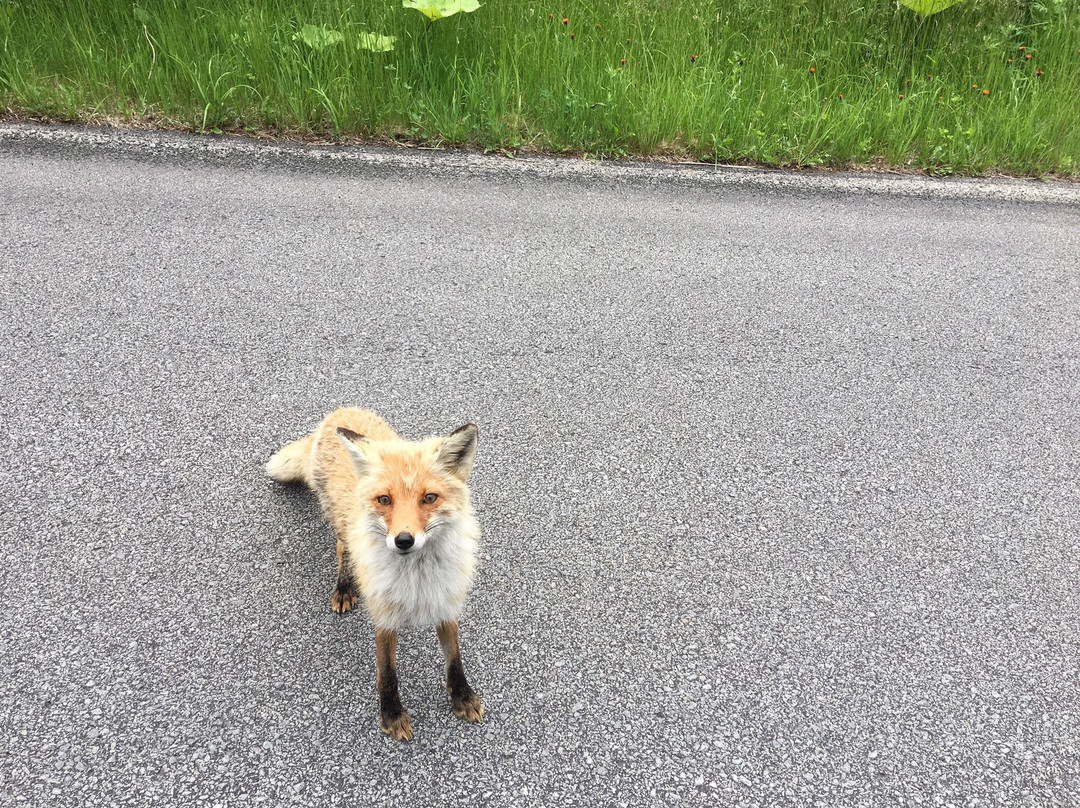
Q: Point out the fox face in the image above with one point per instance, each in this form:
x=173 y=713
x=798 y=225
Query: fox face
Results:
x=411 y=491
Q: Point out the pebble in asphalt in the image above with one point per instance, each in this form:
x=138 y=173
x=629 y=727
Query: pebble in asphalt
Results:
x=778 y=479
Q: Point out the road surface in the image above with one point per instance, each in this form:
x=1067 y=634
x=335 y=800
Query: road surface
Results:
x=778 y=477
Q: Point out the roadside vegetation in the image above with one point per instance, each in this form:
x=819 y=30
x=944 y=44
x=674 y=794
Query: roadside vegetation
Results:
x=982 y=86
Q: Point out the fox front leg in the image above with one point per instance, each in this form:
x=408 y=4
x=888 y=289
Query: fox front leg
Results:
x=463 y=701
x=343 y=597
x=393 y=719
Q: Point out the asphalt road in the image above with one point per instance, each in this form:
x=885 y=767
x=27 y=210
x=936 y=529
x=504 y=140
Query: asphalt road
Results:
x=778 y=477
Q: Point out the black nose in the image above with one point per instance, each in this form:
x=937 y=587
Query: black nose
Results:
x=403 y=541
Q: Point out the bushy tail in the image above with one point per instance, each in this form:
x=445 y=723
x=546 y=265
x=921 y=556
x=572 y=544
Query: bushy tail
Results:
x=292 y=464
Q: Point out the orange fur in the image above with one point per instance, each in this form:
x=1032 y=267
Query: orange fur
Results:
x=349 y=479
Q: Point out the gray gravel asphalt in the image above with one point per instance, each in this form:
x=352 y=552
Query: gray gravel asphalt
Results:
x=778 y=476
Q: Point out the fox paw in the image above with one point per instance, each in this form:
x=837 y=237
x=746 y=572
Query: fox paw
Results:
x=470 y=708
x=342 y=600
x=398 y=727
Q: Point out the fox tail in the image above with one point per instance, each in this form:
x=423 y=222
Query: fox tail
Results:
x=292 y=464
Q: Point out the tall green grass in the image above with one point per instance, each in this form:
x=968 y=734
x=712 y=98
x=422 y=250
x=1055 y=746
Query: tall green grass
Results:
x=781 y=82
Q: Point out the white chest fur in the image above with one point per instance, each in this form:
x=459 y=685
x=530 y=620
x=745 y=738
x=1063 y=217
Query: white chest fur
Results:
x=423 y=588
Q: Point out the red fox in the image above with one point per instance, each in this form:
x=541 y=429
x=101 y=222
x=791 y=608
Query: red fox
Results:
x=406 y=537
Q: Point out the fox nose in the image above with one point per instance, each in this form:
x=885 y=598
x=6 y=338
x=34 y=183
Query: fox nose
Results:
x=403 y=541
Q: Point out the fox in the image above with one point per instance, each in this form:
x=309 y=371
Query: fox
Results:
x=406 y=535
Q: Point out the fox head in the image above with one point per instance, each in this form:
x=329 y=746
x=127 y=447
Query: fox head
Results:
x=412 y=490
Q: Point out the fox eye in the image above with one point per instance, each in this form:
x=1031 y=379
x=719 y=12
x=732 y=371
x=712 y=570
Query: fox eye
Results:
x=429 y=499
x=383 y=500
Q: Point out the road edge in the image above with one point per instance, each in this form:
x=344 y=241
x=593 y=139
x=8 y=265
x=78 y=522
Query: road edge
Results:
x=180 y=146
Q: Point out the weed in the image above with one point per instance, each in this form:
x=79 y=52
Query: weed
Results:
x=776 y=81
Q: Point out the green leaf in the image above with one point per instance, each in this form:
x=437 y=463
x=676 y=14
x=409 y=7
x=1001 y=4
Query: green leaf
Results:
x=376 y=42
x=319 y=38
x=141 y=14
x=928 y=7
x=437 y=9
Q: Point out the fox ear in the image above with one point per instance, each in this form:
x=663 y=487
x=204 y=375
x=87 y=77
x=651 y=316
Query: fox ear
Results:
x=356 y=444
x=457 y=451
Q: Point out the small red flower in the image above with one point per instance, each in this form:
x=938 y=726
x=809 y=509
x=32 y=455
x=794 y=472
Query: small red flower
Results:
x=1010 y=61
x=551 y=16
x=901 y=96
x=565 y=20
x=1027 y=55
x=628 y=42
x=622 y=61
x=598 y=25
x=1038 y=72
x=693 y=58
x=812 y=70
x=986 y=92
x=841 y=96
x=974 y=86
x=1023 y=48
x=573 y=36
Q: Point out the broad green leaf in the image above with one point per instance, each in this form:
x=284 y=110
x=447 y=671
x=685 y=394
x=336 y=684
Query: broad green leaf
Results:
x=928 y=7
x=319 y=38
x=437 y=9
x=376 y=42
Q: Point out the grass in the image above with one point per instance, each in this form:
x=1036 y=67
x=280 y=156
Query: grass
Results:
x=984 y=86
